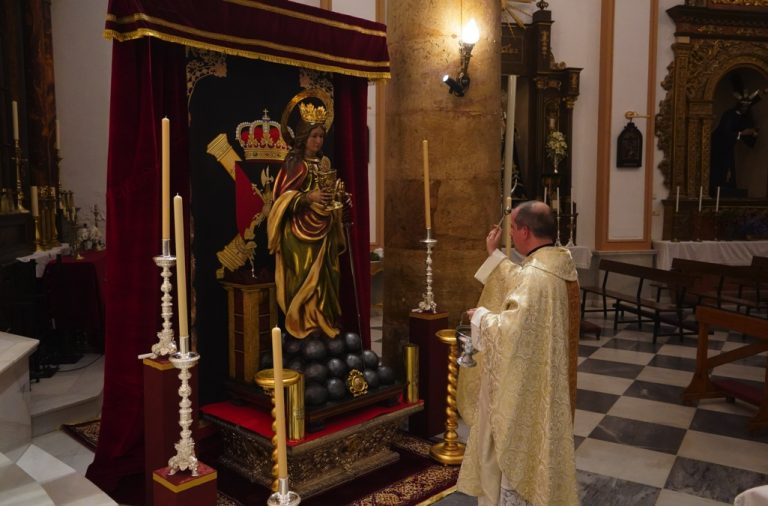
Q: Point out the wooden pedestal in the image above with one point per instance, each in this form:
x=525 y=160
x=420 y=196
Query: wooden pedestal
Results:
x=161 y=413
x=252 y=312
x=433 y=372
x=183 y=489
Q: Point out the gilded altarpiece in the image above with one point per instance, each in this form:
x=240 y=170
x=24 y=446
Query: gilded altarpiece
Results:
x=713 y=39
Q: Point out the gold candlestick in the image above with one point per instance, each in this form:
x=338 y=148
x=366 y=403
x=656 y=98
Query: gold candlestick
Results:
x=450 y=451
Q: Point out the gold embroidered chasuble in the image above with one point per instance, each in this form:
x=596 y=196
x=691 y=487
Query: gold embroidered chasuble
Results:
x=306 y=240
x=522 y=432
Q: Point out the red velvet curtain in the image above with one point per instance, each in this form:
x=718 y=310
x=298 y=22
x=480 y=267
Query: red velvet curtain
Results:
x=351 y=139
x=148 y=83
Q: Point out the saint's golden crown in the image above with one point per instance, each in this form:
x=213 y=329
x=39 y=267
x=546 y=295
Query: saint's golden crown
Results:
x=311 y=114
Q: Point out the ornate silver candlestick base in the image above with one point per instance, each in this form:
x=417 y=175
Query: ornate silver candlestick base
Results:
x=166 y=344
x=185 y=459
x=428 y=304
x=283 y=496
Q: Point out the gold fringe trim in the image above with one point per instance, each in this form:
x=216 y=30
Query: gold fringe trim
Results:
x=308 y=17
x=438 y=496
x=142 y=32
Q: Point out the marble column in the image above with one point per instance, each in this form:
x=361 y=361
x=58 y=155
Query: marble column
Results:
x=464 y=135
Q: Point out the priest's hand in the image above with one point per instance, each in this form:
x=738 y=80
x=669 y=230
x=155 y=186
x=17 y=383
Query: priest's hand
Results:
x=470 y=313
x=493 y=239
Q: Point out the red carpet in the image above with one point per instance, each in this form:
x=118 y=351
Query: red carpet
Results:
x=413 y=480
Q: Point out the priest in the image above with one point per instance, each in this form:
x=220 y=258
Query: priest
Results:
x=520 y=449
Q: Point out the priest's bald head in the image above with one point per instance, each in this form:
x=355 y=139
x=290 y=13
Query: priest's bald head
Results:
x=533 y=226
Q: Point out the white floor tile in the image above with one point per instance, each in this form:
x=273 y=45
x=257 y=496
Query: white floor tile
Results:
x=726 y=451
x=624 y=356
x=585 y=422
x=603 y=383
x=665 y=376
x=624 y=462
x=672 y=498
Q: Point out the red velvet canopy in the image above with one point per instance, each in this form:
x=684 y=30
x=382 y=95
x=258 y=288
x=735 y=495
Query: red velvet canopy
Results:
x=148 y=83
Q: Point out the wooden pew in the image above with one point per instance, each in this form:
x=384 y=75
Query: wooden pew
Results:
x=721 y=285
x=702 y=386
x=645 y=309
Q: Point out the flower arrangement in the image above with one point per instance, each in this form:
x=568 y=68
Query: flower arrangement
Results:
x=556 y=148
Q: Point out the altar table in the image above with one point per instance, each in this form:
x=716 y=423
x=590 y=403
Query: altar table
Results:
x=721 y=252
x=76 y=289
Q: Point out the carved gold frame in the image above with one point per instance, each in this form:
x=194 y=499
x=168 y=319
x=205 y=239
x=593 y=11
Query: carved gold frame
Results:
x=685 y=120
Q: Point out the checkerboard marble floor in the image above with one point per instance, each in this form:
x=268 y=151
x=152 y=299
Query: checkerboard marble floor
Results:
x=637 y=444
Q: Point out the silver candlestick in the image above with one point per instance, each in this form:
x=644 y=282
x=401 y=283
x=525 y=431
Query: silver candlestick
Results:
x=166 y=344
x=19 y=187
x=428 y=304
x=185 y=459
x=557 y=241
x=571 y=220
x=283 y=496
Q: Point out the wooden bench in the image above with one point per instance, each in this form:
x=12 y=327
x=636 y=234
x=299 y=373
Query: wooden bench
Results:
x=702 y=386
x=720 y=285
x=645 y=309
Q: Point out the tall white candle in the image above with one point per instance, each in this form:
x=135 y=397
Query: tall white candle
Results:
x=58 y=136
x=677 y=199
x=509 y=135
x=701 y=194
x=545 y=194
x=277 y=367
x=507 y=226
x=15 y=118
x=166 y=178
x=33 y=199
x=181 y=273
x=425 y=160
x=717 y=200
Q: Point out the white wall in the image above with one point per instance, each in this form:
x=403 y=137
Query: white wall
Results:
x=576 y=41
x=82 y=64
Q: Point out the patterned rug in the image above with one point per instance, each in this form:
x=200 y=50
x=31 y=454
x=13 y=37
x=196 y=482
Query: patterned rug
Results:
x=414 y=480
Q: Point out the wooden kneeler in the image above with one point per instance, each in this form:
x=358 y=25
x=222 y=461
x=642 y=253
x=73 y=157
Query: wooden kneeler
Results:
x=703 y=387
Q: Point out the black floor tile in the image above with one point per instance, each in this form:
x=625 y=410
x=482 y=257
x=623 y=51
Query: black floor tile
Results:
x=602 y=490
x=655 y=392
x=610 y=368
x=597 y=402
x=650 y=436
x=725 y=424
x=677 y=363
x=712 y=481
x=585 y=350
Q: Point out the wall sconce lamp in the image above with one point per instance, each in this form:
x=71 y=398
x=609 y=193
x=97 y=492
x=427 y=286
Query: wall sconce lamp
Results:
x=469 y=36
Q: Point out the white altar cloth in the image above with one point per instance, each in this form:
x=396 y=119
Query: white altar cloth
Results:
x=721 y=252
x=43 y=257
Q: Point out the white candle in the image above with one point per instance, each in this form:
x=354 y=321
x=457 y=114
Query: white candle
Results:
x=571 y=200
x=677 y=199
x=277 y=367
x=545 y=194
x=717 y=200
x=425 y=156
x=33 y=199
x=509 y=135
x=15 y=117
x=181 y=273
x=507 y=226
x=701 y=194
x=166 y=178
x=58 y=136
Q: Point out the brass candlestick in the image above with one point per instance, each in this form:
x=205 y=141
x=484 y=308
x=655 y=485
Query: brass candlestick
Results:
x=450 y=451
x=266 y=380
x=19 y=191
x=185 y=459
x=38 y=242
x=428 y=304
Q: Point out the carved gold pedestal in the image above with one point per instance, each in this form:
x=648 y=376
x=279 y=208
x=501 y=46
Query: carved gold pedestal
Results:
x=450 y=451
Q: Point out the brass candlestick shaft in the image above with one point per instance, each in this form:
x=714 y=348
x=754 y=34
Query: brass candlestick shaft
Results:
x=266 y=380
x=19 y=187
x=450 y=451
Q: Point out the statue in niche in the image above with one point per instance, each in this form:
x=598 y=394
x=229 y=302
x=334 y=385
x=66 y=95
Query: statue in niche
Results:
x=735 y=125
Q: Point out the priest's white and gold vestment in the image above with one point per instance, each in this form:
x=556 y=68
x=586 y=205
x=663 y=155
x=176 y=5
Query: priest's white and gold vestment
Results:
x=521 y=432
